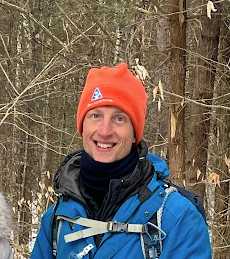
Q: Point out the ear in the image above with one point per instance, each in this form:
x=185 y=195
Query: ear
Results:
x=134 y=139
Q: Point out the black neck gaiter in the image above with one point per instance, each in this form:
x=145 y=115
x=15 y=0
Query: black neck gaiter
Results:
x=95 y=176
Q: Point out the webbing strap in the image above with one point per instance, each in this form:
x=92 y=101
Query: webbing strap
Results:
x=96 y=227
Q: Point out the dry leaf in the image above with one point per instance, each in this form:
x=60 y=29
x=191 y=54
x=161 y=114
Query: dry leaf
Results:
x=39 y=195
x=181 y=19
x=173 y=126
x=159 y=105
x=227 y=161
x=177 y=149
x=184 y=183
x=215 y=178
x=50 y=189
x=48 y=174
x=38 y=209
x=141 y=71
x=193 y=162
x=210 y=8
x=181 y=15
x=155 y=90
x=198 y=173
x=42 y=185
x=161 y=90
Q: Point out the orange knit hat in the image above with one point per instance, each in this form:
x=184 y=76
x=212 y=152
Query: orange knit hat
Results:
x=115 y=87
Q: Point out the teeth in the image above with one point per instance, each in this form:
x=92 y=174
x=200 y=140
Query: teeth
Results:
x=101 y=145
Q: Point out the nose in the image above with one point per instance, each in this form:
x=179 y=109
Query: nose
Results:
x=105 y=128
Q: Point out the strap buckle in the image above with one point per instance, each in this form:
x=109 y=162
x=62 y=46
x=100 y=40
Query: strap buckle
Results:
x=115 y=226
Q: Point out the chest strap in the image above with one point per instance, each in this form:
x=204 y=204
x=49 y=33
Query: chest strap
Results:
x=96 y=227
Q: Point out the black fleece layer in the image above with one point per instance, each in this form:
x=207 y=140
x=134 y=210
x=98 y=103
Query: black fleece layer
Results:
x=95 y=176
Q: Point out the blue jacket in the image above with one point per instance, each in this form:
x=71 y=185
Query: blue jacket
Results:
x=186 y=231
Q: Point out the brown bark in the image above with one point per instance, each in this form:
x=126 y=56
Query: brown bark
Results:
x=177 y=82
x=202 y=87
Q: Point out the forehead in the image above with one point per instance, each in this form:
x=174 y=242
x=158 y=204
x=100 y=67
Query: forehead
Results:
x=110 y=109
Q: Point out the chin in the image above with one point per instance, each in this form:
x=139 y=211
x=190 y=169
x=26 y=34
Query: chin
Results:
x=106 y=160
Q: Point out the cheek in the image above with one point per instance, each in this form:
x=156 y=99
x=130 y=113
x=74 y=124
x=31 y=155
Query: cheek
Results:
x=85 y=134
x=130 y=136
x=85 y=128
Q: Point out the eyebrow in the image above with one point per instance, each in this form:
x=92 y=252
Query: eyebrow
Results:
x=118 y=110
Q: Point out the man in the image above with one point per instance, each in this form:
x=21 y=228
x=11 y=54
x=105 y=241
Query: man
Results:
x=110 y=191
x=5 y=228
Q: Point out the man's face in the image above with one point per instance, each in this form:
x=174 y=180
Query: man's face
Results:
x=108 y=134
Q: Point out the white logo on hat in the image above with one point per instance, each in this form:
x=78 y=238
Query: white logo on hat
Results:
x=96 y=94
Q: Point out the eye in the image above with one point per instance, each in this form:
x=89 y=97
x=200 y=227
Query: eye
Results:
x=120 y=119
x=96 y=116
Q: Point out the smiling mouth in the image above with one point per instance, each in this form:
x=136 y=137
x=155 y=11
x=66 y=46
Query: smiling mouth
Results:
x=104 y=145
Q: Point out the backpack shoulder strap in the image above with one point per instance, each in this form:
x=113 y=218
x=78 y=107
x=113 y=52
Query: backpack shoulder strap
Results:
x=152 y=244
x=54 y=229
x=168 y=191
x=54 y=226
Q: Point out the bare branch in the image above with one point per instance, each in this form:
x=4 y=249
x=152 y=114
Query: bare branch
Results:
x=8 y=79
x=48 y=32
x=5 y=48
x=96 y=20
x=42 y=73
x=74 y=25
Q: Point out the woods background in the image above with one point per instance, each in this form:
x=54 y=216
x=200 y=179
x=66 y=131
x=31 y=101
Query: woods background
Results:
x=46 y=50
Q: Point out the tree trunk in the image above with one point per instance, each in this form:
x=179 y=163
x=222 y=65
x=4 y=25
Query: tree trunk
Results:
x=201 y=87
x=219 y=152
x=177 y=82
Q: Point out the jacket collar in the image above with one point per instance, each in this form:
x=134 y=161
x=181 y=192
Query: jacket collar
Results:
x=66 y=178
